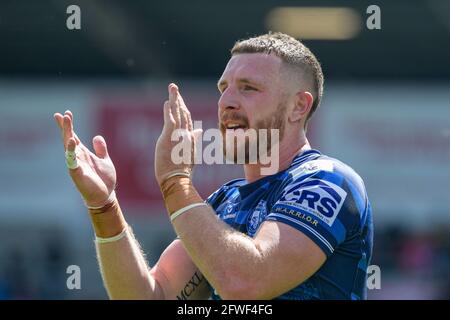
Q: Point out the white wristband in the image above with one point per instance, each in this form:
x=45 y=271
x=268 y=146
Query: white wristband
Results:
x=179 y=212
x=110 y=199
x=112 y=239
x=181 y=173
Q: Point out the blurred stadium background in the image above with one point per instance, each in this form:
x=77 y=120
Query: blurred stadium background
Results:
x=386 y=112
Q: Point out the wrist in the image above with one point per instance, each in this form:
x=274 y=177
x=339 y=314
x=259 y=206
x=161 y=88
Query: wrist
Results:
x=175 y=185
x=115 y=238
x=168 y=176
x=108 y=221
x=101 y=204
x=179 y=192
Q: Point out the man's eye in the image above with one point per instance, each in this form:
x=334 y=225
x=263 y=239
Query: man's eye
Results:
x=249 y=88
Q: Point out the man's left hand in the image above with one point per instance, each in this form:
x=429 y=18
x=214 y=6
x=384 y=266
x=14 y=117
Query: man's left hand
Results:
x=177 y=125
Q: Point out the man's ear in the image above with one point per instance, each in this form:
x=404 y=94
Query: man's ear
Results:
x=302 y=105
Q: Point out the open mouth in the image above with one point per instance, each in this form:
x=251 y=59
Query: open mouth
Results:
x=235 y=126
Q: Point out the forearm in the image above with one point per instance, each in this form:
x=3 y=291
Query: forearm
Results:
x=122 y=264
x=230 y=260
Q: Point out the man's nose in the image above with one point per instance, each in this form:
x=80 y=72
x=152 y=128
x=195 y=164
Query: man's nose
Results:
x=228 y=100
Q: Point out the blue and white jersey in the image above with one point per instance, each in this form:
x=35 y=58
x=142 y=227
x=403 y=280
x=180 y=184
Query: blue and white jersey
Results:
x=320 y=197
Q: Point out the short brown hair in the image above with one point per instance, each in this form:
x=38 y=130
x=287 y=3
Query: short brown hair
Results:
x=292 y=52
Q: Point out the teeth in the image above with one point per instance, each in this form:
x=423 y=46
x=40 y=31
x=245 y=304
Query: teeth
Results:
x=233 y=125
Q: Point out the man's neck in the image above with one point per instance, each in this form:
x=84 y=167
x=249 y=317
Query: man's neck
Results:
x=287 y=152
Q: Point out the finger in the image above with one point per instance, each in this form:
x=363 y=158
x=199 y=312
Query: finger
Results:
x=77 y=140
x=187 y=114
x=175 y=109
x=71 y=156
x=71 y=145
x=189 y=119
x=169 y=121
x=100 y=148
x=197 y=133
x=180 y=99
x=67 y=130
x=184 y=119
x=183 y=111
x=197 y=138
x=69 y=113
x=180 y=107
x=59 y=120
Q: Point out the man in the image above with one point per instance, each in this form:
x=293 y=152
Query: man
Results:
x=304 y=232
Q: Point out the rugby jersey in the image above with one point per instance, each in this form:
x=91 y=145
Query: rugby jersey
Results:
x=320 y=197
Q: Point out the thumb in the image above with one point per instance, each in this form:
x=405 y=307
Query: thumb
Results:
x=100 y=147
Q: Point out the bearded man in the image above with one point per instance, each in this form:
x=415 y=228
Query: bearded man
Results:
x=303 y=231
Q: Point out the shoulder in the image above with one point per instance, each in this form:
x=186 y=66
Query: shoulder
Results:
x=324 y=198
x=328 y=170
x=327 y=188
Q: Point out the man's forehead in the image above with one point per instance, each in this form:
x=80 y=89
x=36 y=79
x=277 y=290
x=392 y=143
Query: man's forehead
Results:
x=252 y=66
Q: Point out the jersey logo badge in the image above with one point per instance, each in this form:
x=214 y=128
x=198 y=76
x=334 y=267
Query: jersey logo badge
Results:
x=229 y=210
x=256 y=218
x=322 y=199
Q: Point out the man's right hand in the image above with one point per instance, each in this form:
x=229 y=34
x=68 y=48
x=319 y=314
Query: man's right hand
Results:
x=95 y=176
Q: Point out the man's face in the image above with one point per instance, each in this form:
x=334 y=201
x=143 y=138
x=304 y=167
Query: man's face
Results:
x=252 y=96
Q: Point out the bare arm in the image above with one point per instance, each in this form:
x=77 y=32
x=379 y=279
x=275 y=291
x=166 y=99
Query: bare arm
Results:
x=278 y=259
x=125 y=272
x=178 y=276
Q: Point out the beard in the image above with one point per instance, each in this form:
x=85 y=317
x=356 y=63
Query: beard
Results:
x=242 y=141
